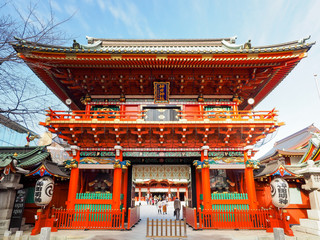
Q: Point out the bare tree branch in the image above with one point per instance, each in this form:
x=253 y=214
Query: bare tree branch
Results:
x=24 y=97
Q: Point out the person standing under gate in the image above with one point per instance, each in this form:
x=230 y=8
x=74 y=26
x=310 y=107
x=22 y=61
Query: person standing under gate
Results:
x=177 y=207
x=159 y=205
x=164 y=206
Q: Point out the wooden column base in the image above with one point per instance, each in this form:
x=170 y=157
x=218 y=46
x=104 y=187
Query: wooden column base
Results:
x=43 y=220
x=280 y=222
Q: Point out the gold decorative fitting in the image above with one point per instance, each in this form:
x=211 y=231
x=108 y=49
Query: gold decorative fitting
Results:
x=122 y=97
x=237 y=99
x=199 y=164
x=200 y=98
x=121 y=164
x=85 y=100
x=71 y=163
x=250 y=163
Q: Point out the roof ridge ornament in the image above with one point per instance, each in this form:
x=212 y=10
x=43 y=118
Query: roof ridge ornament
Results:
x=92 y=45
x=231 y=45
x=303 y=40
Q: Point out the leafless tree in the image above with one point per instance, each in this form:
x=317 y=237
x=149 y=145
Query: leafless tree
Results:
x=23 y=97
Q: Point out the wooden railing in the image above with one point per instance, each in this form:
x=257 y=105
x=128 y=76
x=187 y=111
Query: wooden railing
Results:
x=88 y=219
x=93 y=201
x=133 y=216
x=229 y=201
x=234 y=219
x=228 y=116
x=190 y=214
x=165 y=228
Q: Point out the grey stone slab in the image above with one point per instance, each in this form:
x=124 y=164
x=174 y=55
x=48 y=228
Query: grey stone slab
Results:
x=45 y=233
x=4 y=224
x=278 y=234
x=5 y=213
x=18 y=235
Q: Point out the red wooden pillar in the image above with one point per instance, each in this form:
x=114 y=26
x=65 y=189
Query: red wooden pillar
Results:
x=87 y=110
x=178 y=193
x=250 y=185
x=125 y=188
x=148 y=194
x=186 y=195
x=139 y=194
x=117 y=180
x=73 y=182
x=198 y=187
x=205 y=176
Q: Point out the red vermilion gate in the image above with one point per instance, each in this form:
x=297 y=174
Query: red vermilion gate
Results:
x=88 y=219
x=228 y=219
x=234 y=219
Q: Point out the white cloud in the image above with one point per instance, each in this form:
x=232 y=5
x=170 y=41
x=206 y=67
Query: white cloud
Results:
x=73 y=10
x=128 y=14
x=102 y=4
x=55 y=6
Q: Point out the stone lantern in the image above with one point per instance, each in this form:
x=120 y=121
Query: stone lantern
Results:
x=311 y=174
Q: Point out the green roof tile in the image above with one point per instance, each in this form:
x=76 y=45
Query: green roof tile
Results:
x=5 y=159
x=34 y=159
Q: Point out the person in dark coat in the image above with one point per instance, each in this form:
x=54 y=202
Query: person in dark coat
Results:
x=177 y=207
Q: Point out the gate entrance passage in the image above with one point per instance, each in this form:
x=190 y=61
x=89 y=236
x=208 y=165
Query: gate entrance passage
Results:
x=163 y=182
x=158 y=179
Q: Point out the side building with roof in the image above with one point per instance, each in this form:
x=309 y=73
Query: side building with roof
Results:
x=20 y=167
x=285 y=159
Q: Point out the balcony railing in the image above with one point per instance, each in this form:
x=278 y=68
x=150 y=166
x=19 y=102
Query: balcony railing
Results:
x=207 y=116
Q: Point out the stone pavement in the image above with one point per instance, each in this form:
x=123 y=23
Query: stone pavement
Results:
x=139 y=231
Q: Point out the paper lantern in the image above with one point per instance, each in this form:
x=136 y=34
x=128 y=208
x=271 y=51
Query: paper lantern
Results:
x=43 y=191
x=280 y=192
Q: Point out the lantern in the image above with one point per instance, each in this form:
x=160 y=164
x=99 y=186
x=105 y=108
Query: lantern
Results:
x=43 y=191
x=280 y=192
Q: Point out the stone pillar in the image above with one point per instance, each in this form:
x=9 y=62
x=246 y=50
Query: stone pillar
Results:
x=311 y=175
x=74 y=179
x=8 y=187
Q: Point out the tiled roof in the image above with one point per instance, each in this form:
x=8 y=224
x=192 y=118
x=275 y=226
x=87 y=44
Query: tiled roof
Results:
x=271 y=168
x=5 y=159
x=33 y=160
x=29 y=157
x=54 y=169
x=291 y=142
x=51 y=168
x=175 y=46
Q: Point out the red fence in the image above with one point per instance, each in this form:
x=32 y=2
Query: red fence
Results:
x=190 y=214
x=133 y=216
x=112 y=115
x=88 y=219
x=234 y=219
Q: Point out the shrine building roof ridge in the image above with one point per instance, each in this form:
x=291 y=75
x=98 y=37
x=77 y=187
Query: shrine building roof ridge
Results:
x=291 y=143
x=165 y=46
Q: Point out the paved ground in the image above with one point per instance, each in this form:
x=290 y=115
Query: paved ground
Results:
x=139 y=231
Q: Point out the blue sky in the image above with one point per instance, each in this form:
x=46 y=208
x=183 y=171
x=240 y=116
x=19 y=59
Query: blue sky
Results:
x=264 y=22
